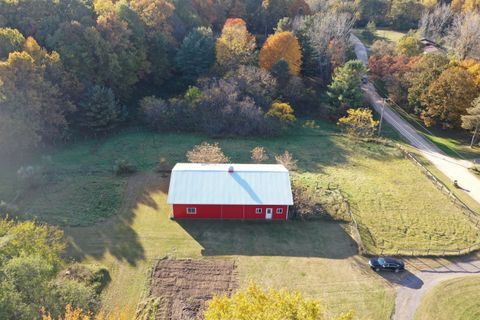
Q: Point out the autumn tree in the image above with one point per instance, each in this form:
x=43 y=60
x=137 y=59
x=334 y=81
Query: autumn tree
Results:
x=471 y=120
x=345 y=88
x=281 y=46
x=281 y=111
x=358 y=122
x=325 y=31
x=435 y=23
x=371 y=10
x=390 y=73
x=259 y=155
x=405 y=14
x=448 y=98
x=380 y=48
x=196 y=54
x=155 y=14
x=423 y=72
x=473 y=67
x=256 y=83
x=256 y=303
x=10 y=40
x=207 y=153
x=464 y=35
x=33 y=109
x=235 y=45
x=410 y=46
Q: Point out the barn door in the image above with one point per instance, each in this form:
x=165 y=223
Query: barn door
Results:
x=268 y=214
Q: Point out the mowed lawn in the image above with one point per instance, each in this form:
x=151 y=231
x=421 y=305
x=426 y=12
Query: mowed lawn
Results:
x=453 y=299
x=122 y=222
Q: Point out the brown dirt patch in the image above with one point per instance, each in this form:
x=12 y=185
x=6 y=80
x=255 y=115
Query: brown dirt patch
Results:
x=184 y=286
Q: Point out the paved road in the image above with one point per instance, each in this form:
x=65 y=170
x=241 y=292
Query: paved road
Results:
x=454 y=169
x=413 y=286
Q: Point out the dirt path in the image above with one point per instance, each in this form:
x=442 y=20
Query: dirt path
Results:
x=454 y=169
x=413 y=286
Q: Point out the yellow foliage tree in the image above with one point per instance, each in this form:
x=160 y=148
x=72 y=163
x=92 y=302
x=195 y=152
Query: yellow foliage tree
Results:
x=236 y=45
x=359 y=122
x=282 y=111
x=281 y=46
x=473 y=67
x=255 y=303
x=465 y=5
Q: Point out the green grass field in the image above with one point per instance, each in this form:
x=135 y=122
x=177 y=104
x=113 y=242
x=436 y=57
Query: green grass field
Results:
x=122 y=222
x=381 y=34
x=453 y=299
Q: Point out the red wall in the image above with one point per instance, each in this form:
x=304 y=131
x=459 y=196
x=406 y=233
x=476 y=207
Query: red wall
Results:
x=228 y=212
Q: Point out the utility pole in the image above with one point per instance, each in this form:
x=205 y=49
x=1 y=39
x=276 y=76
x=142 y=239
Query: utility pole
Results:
x=381 y=117
x=474 y=135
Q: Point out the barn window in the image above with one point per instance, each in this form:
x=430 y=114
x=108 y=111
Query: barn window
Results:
x=258 y=210
x=191 y=210
x=279 y=210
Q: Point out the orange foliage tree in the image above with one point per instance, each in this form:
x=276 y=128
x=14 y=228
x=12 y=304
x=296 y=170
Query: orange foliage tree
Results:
x=235 y=46
x=281 y=46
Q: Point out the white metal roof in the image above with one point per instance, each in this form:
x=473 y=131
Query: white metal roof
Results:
x=250 y=184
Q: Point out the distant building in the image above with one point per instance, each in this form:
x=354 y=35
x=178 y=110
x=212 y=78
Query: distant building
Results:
x=230 y=191
x=430 y=46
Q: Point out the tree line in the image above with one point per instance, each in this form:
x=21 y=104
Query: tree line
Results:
x=80 y=67
x=442 y=86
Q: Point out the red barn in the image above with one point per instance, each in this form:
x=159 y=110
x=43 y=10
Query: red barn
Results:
x=230 y=191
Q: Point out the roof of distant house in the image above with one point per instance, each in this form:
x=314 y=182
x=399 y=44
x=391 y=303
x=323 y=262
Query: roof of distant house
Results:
x=244 y=184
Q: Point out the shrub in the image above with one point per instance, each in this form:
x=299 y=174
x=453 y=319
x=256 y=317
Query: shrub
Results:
x=175 y=114
x=287 y=160
x=123 y=167
x=259 y=155
x=207 y=153
x=282 y=111
x=163 y=166
x=359 y=122
x=94 y=276
x=223 y=110
x=312 y=124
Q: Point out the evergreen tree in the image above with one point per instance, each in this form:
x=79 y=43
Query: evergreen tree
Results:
x=345 y=89
x=99 y=111
x=196 y=54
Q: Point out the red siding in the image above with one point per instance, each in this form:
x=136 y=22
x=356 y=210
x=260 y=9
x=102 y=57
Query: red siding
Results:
x=247 y=212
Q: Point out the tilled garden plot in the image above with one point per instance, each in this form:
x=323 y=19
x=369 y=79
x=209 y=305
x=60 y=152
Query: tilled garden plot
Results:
x=184 y=286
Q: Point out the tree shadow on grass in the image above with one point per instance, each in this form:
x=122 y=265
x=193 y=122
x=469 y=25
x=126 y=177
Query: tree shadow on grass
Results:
x=271 y=238
x=116 y=236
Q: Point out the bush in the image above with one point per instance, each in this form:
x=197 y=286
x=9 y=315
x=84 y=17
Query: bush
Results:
x=282 y=111
x=123 y=167
x=161 y=115
x=259 y=155
x=207 y=153
x=94 y=276
x=223 y=110
x=287 y=160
